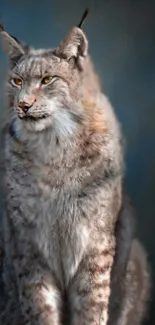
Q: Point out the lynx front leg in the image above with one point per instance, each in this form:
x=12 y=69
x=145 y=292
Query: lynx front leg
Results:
x=90 y=290
x=39 y=297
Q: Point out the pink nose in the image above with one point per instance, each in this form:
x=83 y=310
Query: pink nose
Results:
x=26 y=105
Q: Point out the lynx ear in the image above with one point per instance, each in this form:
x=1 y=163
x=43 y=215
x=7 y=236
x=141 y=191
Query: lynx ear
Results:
x=11 y=45
x=75 y=46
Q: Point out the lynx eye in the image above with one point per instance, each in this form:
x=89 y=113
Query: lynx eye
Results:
x=16 y=81
x=46 y=80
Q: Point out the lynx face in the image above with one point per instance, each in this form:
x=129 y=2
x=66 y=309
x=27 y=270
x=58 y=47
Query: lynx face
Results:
x=39 y=89
x=43 y=85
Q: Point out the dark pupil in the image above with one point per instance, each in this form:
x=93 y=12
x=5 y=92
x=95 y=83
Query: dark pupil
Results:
x=46 y=80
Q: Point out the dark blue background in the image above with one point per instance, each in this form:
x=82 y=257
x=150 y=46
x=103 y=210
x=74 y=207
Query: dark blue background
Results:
x=122 y=44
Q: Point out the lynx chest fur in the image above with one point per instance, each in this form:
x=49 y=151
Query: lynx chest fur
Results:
x=58 y=215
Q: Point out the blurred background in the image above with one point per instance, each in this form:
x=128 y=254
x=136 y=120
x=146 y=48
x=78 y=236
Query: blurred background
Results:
x=121 y=37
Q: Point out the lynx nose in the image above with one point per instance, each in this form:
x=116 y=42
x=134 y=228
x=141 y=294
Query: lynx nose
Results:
x=25 y=105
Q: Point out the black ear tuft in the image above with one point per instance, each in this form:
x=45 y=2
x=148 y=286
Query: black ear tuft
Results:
x=75 y=46
x=1 y=27
x=85 y=14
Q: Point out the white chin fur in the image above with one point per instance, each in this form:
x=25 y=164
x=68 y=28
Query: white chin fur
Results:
x=63 y=123
x=60 y=122
x=39 y=125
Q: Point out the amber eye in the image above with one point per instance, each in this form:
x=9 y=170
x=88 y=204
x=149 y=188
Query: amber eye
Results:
x=17 y=81
x=46 y=80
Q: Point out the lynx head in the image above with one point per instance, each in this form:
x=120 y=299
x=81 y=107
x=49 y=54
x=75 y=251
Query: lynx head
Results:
x=44 y=86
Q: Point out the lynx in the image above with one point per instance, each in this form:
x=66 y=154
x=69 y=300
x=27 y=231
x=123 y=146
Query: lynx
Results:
x=63 y=195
